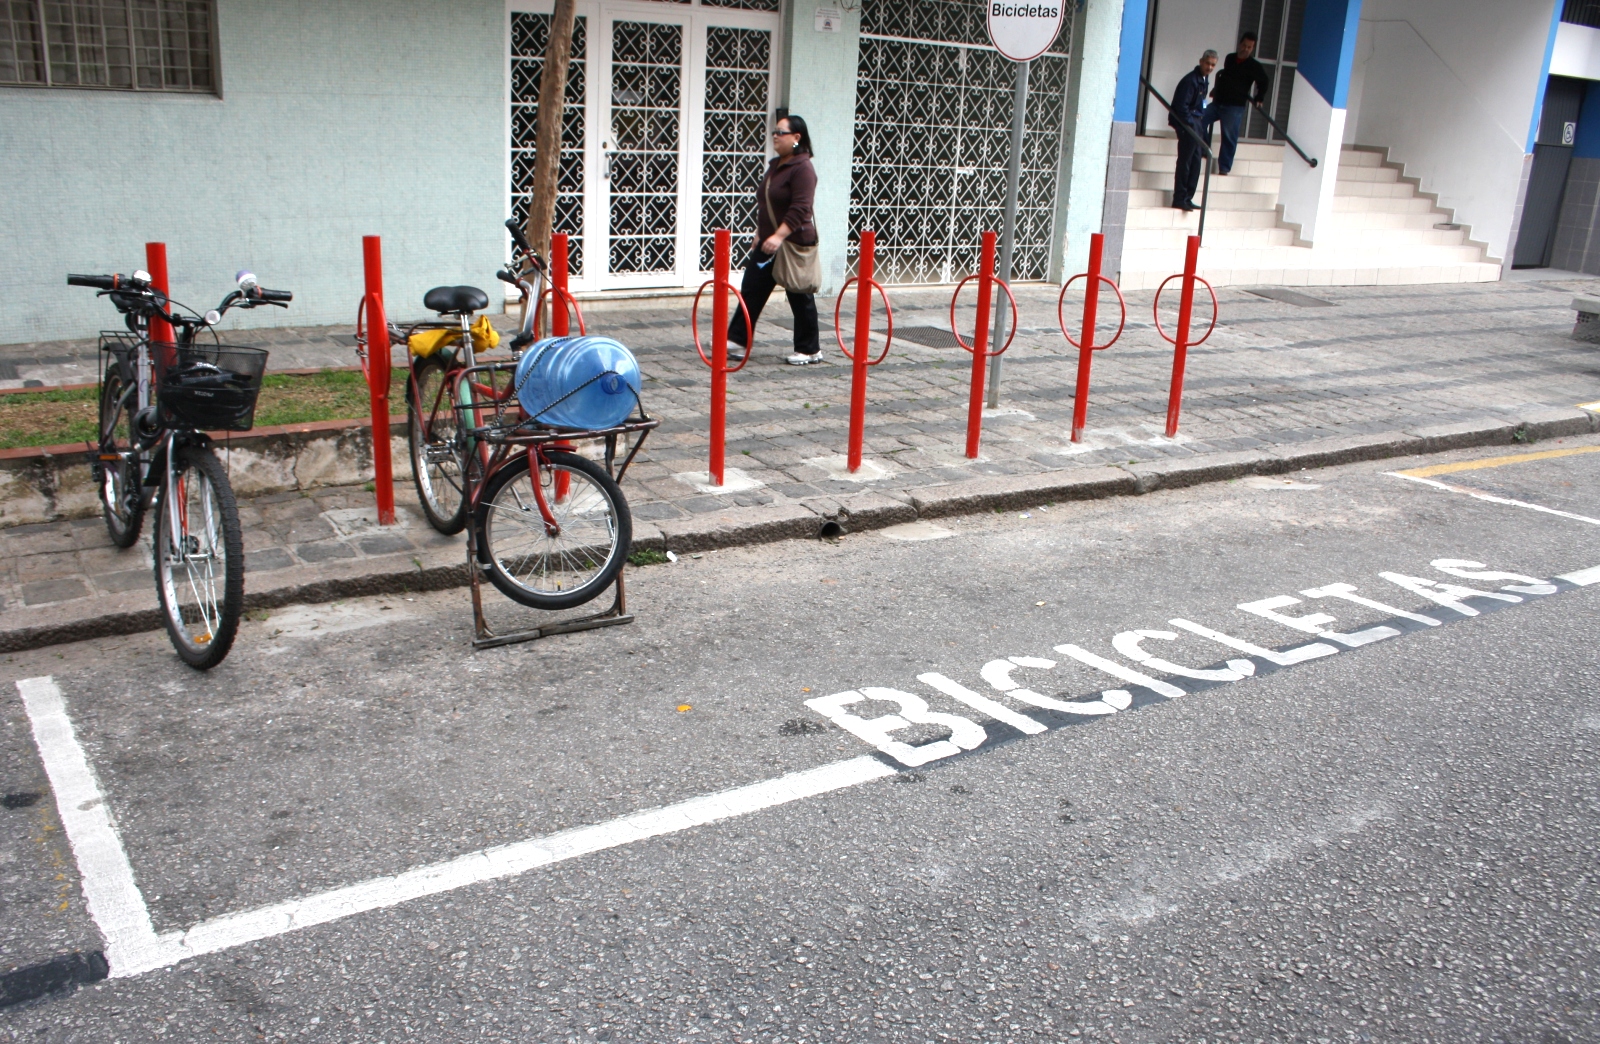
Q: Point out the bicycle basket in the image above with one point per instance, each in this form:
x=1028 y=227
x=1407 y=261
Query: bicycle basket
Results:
x=208 y=387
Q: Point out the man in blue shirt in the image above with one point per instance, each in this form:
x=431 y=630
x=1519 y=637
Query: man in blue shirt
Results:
x=1188 y=115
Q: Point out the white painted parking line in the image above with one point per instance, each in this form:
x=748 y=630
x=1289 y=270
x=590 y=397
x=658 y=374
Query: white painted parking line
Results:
x=1491 y=498
x=111 y=894
x=1583 y=577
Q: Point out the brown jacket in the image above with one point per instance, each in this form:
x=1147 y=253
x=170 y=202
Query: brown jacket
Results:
x=790 y=187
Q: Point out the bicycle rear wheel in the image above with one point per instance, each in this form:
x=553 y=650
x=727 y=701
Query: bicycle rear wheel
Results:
x=199 y=556
x=435 y=456
x=121 y=499
x=545 y=570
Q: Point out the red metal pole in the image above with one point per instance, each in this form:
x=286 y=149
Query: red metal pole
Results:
x=1091 y=309
x=719 y=352
x=858 y=375
x=378 y=377
x=558 y=279
x=155 y=260
x=980 y=344
x=1180 y=354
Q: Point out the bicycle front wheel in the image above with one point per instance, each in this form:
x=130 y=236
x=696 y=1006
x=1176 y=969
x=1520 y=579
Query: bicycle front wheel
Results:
x=558 y=569
x=121 y=500
x=435 y=455
x=199 y=557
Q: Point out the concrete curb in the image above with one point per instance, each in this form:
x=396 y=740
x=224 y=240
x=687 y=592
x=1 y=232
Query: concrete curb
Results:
x=862 y=512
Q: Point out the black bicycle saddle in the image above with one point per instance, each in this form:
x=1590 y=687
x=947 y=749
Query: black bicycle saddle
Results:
x=455 y=300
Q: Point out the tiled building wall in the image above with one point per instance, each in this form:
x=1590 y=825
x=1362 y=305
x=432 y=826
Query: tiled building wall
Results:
x=1577 y=245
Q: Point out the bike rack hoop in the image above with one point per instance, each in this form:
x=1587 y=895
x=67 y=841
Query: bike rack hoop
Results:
x=568 y=301
x=989 y=352
x=888 y=337
x=749 y=327
x=1121 y=302
x=1155 y=310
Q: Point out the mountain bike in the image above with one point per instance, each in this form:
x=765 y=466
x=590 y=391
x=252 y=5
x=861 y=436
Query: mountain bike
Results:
x=158 y=399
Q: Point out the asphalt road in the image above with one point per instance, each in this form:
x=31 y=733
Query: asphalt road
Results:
x=1388 y=836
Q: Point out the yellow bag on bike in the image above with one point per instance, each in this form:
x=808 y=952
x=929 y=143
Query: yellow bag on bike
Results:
x=428 y=342
x=484 y=336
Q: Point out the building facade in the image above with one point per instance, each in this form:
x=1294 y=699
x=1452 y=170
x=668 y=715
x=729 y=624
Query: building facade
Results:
x=272 y=135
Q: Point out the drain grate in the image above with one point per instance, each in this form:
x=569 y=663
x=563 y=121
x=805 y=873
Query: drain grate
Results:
x=927 y=336
x=1287 y=296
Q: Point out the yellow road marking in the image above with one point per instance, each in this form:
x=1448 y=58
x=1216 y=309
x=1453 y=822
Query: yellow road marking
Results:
x=1495 y=462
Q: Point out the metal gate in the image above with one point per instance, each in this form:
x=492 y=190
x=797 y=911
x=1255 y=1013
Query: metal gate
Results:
x=1276 y=24
x=932 y=139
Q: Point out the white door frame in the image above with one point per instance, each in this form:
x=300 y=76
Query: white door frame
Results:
x=600 y=15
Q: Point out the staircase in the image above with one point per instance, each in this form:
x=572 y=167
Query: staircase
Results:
x=1381 y=232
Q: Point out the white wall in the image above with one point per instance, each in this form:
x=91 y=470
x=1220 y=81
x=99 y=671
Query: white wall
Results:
x=1449 y=86
x=1577 y=52
x=1185 y=29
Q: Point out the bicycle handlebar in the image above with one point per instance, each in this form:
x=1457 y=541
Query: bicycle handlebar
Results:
x=274 y=296
x=518 y=235
x=106 y=282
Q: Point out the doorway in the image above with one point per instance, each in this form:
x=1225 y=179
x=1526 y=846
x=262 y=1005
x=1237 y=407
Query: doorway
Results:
x=664 y=136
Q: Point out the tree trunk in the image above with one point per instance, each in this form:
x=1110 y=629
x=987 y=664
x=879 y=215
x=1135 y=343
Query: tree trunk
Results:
x=547 y=133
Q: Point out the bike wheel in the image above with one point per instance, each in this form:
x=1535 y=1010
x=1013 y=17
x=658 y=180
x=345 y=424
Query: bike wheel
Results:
x=552 y=571
x=199 y=556
x=435 y=456
x=121 y=499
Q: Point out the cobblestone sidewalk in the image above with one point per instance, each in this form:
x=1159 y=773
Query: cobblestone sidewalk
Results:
x=1366 y=368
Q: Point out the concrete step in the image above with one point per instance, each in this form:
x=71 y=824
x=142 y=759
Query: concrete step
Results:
x=1168 y=146
x=1337 y=235
x=1388 y=275
x=1232 y=238
x=1374 y=189
x=1381 y=204
x=1164 y=216
x=1319 y=258
x=1241 y=167
x=1349 y=157
x=1351 y=172
x=1385 y=219
x=1235 y=182
x=1218 y=200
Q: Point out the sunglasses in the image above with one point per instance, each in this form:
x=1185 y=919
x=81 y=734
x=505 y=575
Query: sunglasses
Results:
x=783 y=133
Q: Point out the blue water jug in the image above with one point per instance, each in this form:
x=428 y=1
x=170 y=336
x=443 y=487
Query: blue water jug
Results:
x=578 y=382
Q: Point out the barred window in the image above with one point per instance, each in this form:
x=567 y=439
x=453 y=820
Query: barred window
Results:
x=129 y=45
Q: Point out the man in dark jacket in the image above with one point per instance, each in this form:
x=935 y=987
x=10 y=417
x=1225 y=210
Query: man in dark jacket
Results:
x=1241 y=83
x=1188 y=115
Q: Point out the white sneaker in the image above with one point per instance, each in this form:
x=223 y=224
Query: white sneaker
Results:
x=800 y=359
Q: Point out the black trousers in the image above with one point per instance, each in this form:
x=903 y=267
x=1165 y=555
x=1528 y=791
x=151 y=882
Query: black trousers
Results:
x=1186 y=178
x=757 y=287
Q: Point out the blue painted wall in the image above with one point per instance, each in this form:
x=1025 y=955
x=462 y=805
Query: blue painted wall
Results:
x=1328 y=47
x=1130 y=61
x=1587 y=145
x=1544 y=77
x=338 y=118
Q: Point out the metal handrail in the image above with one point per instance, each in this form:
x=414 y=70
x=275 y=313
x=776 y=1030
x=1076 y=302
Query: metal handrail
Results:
x=1205 y=191
x=1285 y=134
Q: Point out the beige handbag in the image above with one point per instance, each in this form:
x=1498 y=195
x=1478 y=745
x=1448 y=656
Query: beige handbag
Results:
x=798 y=269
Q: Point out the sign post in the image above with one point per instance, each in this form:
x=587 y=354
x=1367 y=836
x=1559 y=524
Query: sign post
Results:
x=1021 y=32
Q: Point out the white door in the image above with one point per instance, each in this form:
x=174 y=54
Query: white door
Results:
x=670 y=141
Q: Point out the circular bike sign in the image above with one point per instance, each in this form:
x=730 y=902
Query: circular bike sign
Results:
x=1023 y=31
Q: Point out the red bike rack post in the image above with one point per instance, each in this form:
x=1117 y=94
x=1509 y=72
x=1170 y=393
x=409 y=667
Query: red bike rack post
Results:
x=155 y=259
x=718 y=360
x=378 y=364
x=558 y=280
x=980 y=340
x=865 y=285
x=719 y=353
x=1091 y=314
x=1181 y=343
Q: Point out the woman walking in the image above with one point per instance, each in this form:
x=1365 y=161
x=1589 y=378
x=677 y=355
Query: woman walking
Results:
x=786 y=242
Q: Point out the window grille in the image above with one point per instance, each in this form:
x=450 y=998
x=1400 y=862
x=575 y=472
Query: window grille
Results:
x=130 y=45
x=738 y=64
x=933 y=138
x=530 y=37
